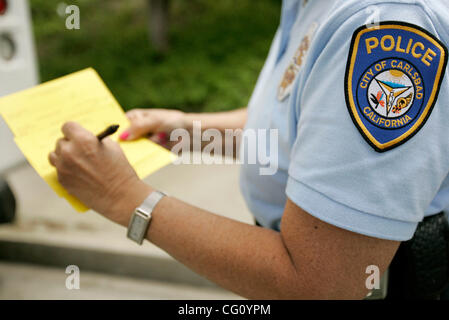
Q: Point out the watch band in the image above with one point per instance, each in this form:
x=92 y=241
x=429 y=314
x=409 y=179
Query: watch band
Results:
x=141 y=218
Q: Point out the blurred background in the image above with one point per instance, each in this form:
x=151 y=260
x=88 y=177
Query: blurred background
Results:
x=192 y=55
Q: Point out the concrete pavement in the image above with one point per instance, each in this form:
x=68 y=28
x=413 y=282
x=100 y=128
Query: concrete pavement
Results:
x=21 y=281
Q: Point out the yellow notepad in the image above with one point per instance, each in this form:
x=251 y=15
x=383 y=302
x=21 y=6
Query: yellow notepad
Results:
x=35 y=116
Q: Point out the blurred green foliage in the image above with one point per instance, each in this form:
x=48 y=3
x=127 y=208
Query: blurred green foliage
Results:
x=217 y=50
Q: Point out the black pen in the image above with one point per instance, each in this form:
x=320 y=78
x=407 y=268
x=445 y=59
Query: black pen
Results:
x=109 y=131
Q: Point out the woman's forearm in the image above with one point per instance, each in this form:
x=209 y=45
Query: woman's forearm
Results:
x=229 y=124
x=221 y=121
x=248 y=260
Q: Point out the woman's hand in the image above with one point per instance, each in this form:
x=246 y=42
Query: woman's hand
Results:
x=97 y=173
x=155 y=123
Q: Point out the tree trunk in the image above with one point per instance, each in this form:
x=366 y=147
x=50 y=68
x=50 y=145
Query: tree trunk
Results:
x=159 y=19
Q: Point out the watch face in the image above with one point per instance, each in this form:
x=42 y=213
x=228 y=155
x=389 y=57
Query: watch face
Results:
x=137 y=228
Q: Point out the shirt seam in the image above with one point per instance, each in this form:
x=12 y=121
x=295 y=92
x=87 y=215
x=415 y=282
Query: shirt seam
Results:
x=346 y=205
x=354 y=228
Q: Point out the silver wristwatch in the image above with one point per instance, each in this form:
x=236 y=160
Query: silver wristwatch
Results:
x=141 y=218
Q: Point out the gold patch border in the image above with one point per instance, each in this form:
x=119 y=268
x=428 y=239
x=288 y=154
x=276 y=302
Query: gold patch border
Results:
x=381 y=147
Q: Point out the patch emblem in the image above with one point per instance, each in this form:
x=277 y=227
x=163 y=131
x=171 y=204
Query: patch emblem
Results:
x=285 y=87
x=393 y=77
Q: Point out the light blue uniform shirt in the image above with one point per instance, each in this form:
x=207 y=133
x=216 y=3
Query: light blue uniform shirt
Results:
x=325 y=165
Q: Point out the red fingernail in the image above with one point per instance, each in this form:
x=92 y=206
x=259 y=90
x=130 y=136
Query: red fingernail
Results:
x=124 y=135
x=162 y=135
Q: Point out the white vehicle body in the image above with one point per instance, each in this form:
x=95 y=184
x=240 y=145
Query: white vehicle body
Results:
x=18 y=68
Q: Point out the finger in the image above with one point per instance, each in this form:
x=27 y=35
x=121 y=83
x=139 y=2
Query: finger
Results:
x=59 y=144
x=135 y=113
x=74 y=131
x=135 y=118
x=155 y=138
x=139 y=127
x=131 y=113
x=160 y=138
x=53 y=159
x=109 y=143
x=71 y=130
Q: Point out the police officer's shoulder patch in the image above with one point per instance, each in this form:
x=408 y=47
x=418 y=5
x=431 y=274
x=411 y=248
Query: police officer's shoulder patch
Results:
x=393 y=76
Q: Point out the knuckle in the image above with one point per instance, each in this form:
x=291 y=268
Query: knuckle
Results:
x=66 y=152
x=135 y=113
x=138 y=124
x=89 y=149
x=59 y=144
x=84 y=138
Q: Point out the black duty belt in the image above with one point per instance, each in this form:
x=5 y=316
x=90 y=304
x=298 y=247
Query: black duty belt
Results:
x=420 y=268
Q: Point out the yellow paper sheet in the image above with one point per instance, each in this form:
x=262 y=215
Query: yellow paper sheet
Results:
x=35 y=116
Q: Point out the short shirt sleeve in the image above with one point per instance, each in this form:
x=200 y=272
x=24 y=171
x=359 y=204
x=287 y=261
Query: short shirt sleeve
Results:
x=372 y=140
